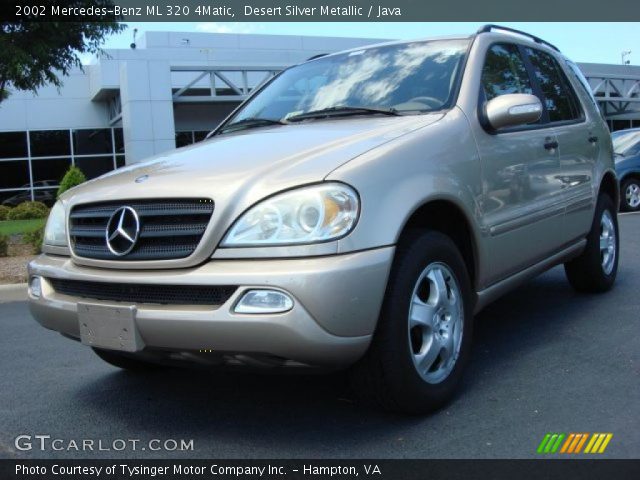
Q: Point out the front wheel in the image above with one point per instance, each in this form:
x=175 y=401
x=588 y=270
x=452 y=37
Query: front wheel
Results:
x=423 y=338
x=630 y=195
x=595 y=270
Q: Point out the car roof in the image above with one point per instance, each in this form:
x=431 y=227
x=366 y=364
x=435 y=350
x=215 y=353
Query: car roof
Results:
x=512 y=35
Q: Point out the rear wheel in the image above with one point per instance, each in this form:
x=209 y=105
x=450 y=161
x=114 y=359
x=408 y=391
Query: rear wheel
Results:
x=630 y=195
x=126 y=361
x=596 y=268
x=423 y=338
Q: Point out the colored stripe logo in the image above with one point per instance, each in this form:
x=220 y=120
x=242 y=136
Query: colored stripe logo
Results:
x=574 y=443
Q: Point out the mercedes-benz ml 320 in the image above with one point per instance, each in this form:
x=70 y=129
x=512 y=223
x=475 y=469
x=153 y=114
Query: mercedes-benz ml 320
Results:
x=354 y=212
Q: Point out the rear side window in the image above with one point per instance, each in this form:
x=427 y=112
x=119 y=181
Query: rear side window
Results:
x=582 y=80
x=560 y=100
x=504 y=72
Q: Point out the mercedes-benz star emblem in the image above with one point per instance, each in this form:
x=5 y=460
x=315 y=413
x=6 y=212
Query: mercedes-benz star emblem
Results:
x=123 y=231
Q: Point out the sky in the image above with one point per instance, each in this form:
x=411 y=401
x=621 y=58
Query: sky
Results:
x=601 y=42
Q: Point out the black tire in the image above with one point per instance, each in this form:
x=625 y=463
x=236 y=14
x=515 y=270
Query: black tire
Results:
x=629 y=183
x=386 y=376
x=587 y=273
x=126 y=361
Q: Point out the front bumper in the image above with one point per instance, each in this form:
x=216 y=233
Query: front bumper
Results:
x=337 y=300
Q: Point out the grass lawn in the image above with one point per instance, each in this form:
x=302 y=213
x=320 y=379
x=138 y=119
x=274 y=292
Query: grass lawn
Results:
x=11 y=227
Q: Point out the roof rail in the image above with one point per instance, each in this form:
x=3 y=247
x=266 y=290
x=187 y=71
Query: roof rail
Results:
x=489 y=27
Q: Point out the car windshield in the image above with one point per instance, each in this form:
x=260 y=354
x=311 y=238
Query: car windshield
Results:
x=625 y=141
x=398 y=79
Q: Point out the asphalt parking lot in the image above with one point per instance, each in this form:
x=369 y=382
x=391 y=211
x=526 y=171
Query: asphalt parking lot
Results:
x=546 y=359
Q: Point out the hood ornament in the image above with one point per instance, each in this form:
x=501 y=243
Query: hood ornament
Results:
x=142 y=178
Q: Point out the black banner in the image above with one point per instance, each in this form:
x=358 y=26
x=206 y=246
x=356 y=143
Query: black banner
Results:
x=321 y=10
x=546 y=469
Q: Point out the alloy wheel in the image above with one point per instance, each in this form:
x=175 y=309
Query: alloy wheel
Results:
x=436 y=319
x=632 y=195
x=607 y=242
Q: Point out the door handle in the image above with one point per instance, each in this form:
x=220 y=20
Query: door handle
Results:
x=551 y=145
x=593 y=139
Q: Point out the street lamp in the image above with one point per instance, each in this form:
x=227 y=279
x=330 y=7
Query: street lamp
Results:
x=624 y=56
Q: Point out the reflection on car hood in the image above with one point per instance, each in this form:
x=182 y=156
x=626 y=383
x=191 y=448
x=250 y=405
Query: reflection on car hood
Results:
x=254 y=162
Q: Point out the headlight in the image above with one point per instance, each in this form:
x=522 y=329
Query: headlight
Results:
x=55 y=233
x=313 y=214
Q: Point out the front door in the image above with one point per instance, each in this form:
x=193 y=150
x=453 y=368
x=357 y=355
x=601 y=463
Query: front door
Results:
x=522 y=193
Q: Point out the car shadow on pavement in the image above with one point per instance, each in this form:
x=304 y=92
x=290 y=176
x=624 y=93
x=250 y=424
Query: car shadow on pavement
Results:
x=291 y=409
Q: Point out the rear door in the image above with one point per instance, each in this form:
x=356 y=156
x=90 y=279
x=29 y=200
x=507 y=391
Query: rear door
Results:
x=579 y=131
x=522 y=192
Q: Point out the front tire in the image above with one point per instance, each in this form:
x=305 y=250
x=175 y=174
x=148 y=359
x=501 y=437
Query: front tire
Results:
x=630 y=195
x=423 y=339
x=595 y=270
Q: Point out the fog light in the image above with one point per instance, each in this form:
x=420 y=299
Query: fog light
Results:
x=264 y=301
x=35 y=287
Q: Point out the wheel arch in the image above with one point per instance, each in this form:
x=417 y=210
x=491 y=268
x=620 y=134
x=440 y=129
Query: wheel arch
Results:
x=445 y=216
x=609 y=185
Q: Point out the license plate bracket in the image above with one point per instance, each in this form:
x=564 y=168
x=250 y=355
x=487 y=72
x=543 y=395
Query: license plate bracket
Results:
x=109 y=326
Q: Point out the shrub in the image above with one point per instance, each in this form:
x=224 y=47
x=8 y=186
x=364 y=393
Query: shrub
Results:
x=28 y=211
x=72 y=178
x=4 y=211
x=4 y=245
x=35 y=239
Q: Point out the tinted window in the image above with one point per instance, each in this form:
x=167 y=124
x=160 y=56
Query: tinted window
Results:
x=93 y=167
x=183 y=139
x=504 y=72
x=13 y=198
x=87 y=142
x=560 y=101
x=15 y=173
x=13 y=144
x=200 y=135
x=49 y=143
x=50 y=169
x=119 y=140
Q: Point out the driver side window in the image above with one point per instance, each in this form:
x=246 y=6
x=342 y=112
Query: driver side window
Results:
x=504 y=72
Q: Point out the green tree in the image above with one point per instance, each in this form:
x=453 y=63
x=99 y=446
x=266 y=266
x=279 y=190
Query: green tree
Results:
x=72 y=178
x=33 y=54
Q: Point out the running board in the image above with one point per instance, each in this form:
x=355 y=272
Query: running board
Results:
x=495 y=291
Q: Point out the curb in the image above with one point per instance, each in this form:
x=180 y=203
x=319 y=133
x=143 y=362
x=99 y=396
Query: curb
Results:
x=15 y=292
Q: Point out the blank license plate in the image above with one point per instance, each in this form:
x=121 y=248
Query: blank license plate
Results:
x=111 y=327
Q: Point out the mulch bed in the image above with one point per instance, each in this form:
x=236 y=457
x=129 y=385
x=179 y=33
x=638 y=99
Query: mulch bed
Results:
x=13 y=269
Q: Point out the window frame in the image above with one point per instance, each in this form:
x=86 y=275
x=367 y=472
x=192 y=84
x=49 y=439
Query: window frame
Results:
x=545 y=122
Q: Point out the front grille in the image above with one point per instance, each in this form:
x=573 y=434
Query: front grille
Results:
x=135 y=293
x=169 y=229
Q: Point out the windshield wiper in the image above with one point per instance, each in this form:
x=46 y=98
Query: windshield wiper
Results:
x=340 y=111
x=251 y=122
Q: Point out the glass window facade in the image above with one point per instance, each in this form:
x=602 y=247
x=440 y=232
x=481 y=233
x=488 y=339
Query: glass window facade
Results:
x=32 y=163
x=189 y=137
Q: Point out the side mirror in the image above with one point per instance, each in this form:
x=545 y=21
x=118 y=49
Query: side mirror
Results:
x=513 y=110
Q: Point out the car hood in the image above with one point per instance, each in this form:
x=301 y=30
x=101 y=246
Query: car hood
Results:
x=253 y=163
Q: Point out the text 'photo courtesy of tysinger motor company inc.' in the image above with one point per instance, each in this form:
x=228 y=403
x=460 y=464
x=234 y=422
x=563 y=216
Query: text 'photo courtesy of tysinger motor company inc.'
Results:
x=297 y=239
